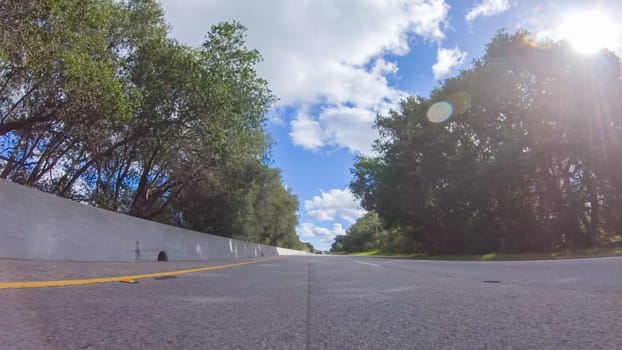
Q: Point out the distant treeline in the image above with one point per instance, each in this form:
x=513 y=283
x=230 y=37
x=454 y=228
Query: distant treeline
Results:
x=520 y=153
x=98 y=105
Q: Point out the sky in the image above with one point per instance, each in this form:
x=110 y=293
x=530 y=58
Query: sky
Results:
x=336 y=64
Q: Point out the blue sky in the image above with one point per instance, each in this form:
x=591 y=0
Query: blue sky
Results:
x=335 y=64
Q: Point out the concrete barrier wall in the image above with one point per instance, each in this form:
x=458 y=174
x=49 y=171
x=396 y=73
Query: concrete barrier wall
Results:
x=38 y=225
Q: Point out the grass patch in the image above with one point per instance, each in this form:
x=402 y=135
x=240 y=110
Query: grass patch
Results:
x=375 y=252
x=489 y=256
x=569 y=254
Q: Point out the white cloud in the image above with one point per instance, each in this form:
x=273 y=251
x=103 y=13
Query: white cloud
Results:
x=341 y=126
x=306 y=132
x=337 y=230
x=275 y=117
x=309 y=230
x=487 y=8
x=322 y=52
x=349 y=127
x=306 y=230
x=446 y=60
x=334 y=204
x=326 y=242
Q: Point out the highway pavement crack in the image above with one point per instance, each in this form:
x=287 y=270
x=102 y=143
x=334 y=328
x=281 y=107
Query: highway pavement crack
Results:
x=308 y=322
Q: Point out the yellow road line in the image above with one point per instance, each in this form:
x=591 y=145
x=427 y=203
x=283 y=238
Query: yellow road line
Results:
x=80 y=282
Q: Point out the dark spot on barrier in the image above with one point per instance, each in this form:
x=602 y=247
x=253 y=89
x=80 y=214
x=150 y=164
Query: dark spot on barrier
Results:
x=162 y=256
x=137 y=250
x=492 y=281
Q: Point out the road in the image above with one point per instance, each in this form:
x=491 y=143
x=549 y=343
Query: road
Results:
x=319 y=302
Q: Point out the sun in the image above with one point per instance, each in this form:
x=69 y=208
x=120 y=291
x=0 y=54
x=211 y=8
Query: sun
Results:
x=590 y=31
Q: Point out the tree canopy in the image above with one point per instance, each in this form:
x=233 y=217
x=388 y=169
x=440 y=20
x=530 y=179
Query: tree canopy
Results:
x=520 y=153
x=99 y=105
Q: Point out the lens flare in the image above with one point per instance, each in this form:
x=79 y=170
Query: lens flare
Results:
x=540 y=40
x=439 y=112
x=456 y=104
x=589 y=31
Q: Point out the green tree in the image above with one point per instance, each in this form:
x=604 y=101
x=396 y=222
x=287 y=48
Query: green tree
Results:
x=59 y=82
x=523 y=164
x=309 y=247
x=97 y=104
x=246 y=202
x=367 y=233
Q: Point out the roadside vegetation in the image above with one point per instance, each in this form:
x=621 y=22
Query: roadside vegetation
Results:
x=568 y=254
x=519 y=154
x=99 y=105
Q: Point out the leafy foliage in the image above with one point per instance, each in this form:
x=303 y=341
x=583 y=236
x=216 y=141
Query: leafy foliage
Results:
x=97 y=104
x=527 y=162
x=365 y=234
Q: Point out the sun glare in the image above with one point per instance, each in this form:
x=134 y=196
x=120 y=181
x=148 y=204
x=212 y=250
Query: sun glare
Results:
x=590 y=31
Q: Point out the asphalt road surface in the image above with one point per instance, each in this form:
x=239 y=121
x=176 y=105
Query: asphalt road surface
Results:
x=319 y=302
